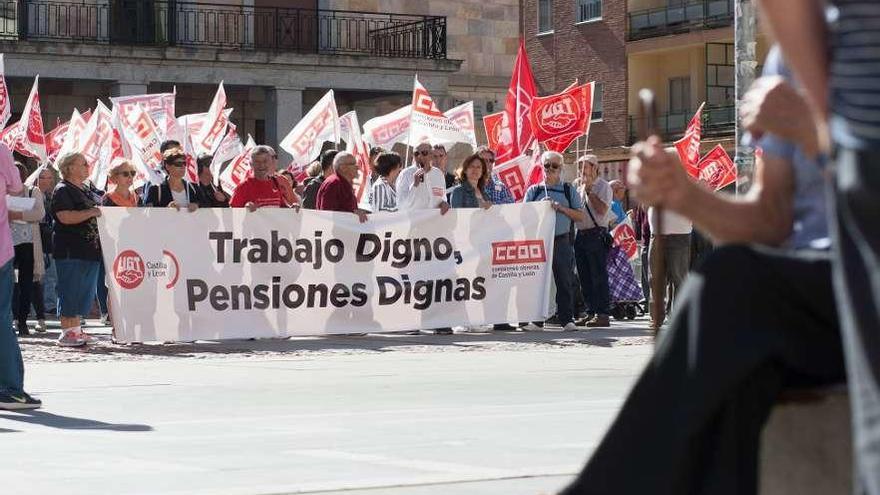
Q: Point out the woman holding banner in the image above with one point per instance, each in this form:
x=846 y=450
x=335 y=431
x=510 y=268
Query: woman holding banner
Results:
x=473 y=175
x=384 y=196
x=175 y=192
x=121 y=177
x=76 y=247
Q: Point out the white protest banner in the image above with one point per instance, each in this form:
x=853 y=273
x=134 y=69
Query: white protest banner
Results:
x=389 y=129
x=463 y=116
x=33 y=136
x=428 y=124
x=350 y=132
x=213 y=130
x=239 y=169
x=321 y=124
x=230 y=273
x=5 y=103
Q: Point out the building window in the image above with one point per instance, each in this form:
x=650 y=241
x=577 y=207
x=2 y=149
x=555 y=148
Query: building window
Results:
x=597 y=101
x=588 y=10
x=679 y=95
x=545 y=16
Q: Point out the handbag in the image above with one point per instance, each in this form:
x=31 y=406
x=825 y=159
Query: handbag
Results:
x=607 y=240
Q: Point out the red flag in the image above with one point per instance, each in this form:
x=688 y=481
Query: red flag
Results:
x=717 y=169
x=55 y=140
x=688 y=147
x=520 y=95
x=625 y=238
x=33 y=138
x=11 y=137
x=559 y=119
x=5 y=104
x=499 y=135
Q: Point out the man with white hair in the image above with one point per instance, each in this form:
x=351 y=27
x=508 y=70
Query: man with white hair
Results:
x=422 y=186
x=590 y=246
x=264 y=189
x=566 y=202
x=337 y=191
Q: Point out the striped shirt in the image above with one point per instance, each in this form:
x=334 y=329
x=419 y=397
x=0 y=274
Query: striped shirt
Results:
x=855 y=73
x=383 y=197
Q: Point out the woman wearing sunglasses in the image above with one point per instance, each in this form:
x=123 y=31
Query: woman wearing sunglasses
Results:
x=176 y=192
x=121 y=177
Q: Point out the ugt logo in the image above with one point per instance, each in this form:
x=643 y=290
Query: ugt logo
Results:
x=128 y=269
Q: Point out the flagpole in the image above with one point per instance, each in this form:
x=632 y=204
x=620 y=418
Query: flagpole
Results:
x=406 y=160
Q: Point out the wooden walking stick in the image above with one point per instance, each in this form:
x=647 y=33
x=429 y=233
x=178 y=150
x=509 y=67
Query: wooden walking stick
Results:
x=648 y=127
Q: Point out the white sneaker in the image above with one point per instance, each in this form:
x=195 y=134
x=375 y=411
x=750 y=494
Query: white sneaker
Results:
x=461 y=329
x=41 y=326
x=88 y=339
x=71 y=338
x=570 y=327
x=531 y=327
x=105 y=319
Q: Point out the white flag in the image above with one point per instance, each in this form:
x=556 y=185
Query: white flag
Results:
x=307 y=138
x=5 y=104
x=389 y=129
x=427 y=122
x=143 y=135
x=229 y=148
x=213 y=129
x=240 y=168
x=463 y=115
x=350 y=130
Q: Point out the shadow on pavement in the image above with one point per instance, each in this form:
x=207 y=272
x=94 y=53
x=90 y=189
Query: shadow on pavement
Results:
x=69 y=422
x=377 y=342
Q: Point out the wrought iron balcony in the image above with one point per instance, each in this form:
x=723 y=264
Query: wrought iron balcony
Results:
x=717 y=121
x=214 y=25
x=682 y=18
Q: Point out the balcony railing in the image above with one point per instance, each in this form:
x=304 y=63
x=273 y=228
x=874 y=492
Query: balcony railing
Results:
x=240 y=27
x=717 y=122
x=676 y=19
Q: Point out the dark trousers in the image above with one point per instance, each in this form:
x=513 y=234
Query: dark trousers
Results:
x=101 y=290
x=563 y=265
x=592 y=264
x=677 y=250
x=21 y=294
x=748 y=322
x=37 y=300
x=857 y=282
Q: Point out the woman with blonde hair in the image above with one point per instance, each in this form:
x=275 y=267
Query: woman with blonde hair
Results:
x=77 y=248
x=121 y=177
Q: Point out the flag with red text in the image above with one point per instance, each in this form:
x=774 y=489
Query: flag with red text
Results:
x=321 y=124
x=428 y=124
x=717 y=170
x=559 y=119
x=688 y=147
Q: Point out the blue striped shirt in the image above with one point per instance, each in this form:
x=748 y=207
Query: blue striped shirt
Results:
x=855 y=73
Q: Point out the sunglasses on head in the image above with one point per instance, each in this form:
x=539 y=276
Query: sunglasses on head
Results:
x=127 y=173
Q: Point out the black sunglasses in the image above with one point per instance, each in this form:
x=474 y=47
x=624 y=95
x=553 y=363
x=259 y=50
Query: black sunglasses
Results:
x=177 y=164
x=423 y=153
x=552 y=166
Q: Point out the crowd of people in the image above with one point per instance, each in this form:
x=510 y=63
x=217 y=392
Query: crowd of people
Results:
x=56 y=240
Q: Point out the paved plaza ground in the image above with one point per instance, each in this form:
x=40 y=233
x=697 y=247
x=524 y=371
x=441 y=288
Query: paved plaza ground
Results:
x=494 y=413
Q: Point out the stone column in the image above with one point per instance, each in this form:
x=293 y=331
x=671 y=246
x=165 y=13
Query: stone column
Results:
x=121 y=88
x=283 y=111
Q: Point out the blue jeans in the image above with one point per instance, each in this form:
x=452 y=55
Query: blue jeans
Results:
x=592 y=264
x=11 y=365
x=562 y=275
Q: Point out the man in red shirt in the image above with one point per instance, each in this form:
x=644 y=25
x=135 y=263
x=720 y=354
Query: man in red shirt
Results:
x=264 y=188
x=337 y=192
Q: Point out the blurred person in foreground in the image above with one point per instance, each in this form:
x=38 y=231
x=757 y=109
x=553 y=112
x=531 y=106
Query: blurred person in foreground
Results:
x=839 y=67
x=756 y=316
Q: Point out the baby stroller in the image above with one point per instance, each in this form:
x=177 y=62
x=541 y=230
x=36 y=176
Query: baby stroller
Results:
x=623 y=288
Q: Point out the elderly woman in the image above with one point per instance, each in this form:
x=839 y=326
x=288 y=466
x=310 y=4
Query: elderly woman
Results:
x=121 y=178
x=176 y=192
x=618 y=196
x=25 y=227
x=383 y=196
x=77 y=249
x=473 y=175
